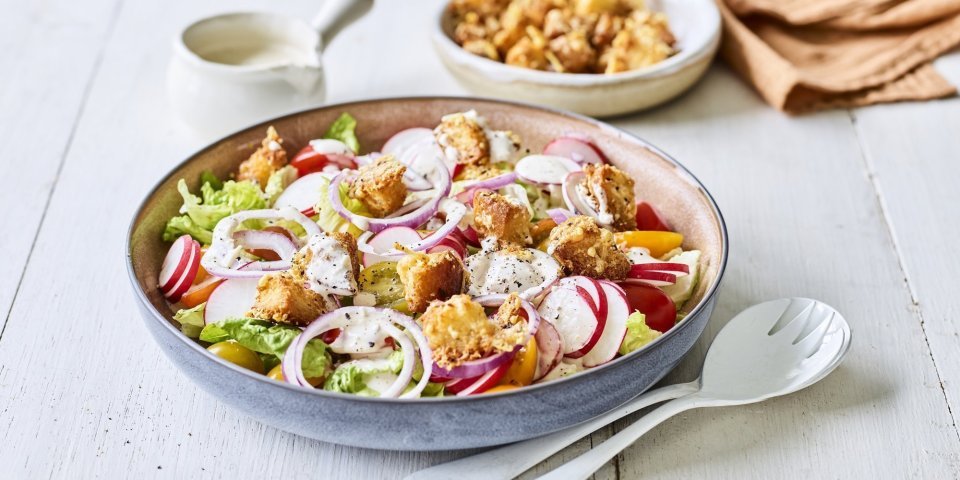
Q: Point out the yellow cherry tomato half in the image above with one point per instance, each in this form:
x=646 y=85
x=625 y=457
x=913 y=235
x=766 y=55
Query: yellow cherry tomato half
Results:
x=276 y=373
x=238 y=355
x=523 y=368
x=659 y=243
x=502 y=388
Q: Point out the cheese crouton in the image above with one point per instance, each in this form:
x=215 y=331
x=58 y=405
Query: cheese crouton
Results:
x=458 y=330
x=430 y=276
x=380 y=186
x=611 y=192
x=269 y=158
x=281 y=298
x=495 y=215
x=583 y=248
x=463 y=139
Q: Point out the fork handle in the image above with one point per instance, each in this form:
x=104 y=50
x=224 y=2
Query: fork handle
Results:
x=588 y=463
x=512 y=460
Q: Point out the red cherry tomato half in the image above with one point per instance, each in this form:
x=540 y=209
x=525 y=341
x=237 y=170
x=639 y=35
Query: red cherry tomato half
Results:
x=660 y=312
x=330 y=335
x=308 y=161
x=648 y=219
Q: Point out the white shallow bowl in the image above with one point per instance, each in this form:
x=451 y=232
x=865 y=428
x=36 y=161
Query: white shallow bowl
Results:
x=695 y=23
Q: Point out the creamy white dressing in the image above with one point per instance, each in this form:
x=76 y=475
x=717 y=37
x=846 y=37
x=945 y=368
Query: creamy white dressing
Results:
x=330 y=146
x=639 y=255
x=329 y=270
x=362 y=336
x=517 y=195
x=599 y=201
x=500 y=272
x=273 y=146
x=502 y=148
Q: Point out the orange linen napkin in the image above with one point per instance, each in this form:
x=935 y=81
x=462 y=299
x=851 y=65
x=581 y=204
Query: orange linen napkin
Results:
x=804 y=55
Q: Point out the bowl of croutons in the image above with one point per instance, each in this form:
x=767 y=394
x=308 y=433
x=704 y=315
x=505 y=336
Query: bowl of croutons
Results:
x=596 y=57
x=427 y=273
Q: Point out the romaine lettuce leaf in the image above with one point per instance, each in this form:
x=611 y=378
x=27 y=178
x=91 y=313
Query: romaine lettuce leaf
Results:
x=328 y=218
x=355 y=376
x=638 y=333
x=269 y=338
x=344 y=128
x=278 y=182
x=191 y=320
x=201 y=214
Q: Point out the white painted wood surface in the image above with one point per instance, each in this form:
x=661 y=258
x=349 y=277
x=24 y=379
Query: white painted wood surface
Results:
x=858 y=209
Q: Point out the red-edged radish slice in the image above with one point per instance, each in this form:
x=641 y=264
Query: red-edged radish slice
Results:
x=175 y=263
x=452 y=244
x=232 y=298
x=545 y=169
x=304 y=193
x=385 y=240
x=479 y=384
x=615 y=329
x=405 y=138
x=188 y=275
x=574 y=317
x=651 y=277
x=576 y=149
x=660 y=267
x=550 y=349
x=591 y=288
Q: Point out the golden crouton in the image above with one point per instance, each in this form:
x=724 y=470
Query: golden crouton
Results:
x=478 y=172
x=607 y=27
x=611 y=191
x=525 y=53
x=511 y=318
x=430 y=276
x=269 y=158
x=644 y=41
x=465 y=136
x=583 y=248
x=495 y=215
x=281 y=298
x=302 y=259
x=380 y=187
x=458 y=330
x=541 y=230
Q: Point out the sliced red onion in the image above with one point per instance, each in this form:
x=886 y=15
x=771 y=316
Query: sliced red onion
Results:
x=411 y=219
x=574 y=199
x=653 y=277
x=388 y=319
x=466 y=196
x=454 y=212
x=409 y=207
x=368 y=158
x=660 y=267
x=220 y=259
x=560 y=215
x=475 y=368
x=276 y=242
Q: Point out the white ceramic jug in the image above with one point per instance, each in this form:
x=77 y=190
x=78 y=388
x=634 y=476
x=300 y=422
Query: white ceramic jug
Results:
x=232 y=70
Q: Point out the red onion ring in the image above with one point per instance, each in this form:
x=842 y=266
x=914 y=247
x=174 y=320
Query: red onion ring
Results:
x=292 y=369
x=466 y=196
x=475 y=368
x=455 y=211
x=219 y=258
x=276 y=242
x=411 y=219
x=560 y=215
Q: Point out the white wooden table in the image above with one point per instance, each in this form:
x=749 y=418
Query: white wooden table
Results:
x=858 y=208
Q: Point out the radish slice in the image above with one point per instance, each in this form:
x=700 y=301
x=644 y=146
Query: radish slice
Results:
x=450 y=243
x=384 y=241
x=418 y=150
x=480 y=384
x=550 y=350
x=188 y=275
x=231 y=299
x=589 y=287
x=574 y=317
x=545 y=169
x=579 y=150
x=660 y=267
x=304 y=193
x=175 y=263
x=616 y=327
x=651 y=277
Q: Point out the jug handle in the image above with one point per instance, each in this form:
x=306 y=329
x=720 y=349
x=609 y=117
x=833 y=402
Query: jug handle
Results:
x=337 y=14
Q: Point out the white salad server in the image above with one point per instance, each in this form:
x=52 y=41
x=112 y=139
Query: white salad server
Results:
x=770 y=349
x=228 y=71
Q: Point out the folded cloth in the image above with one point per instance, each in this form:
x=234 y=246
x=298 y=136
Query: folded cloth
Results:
x=804 y=55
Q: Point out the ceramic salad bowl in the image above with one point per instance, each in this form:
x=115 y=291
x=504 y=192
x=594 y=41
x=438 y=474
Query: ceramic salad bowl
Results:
x=449 y=422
